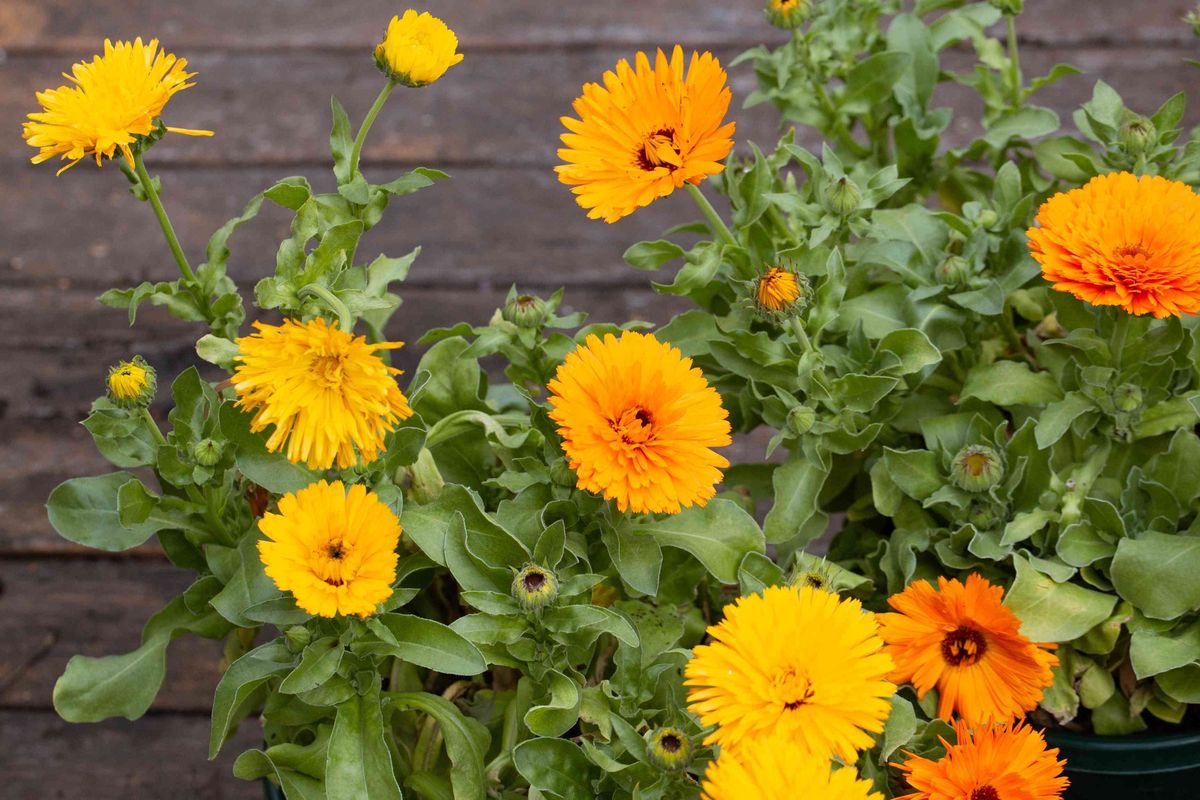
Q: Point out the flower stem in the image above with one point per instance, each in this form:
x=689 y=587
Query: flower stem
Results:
x=163 y=220
x=152 y=426
x=1014 y=65
x=714 y=219
x=367 y=122
x=801 y=334
x=335 y=304
x=1120 y=333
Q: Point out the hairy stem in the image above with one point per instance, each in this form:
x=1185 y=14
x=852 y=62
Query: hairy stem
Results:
x=715 y=222
x=163 y=220
x=367 y=122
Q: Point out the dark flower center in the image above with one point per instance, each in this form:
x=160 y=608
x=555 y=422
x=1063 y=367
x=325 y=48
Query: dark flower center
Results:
x=335 y=551
x=985 y=793
x=964 y=647
x=670 y=743
x=534 y=581
x=658 y=149
x=634 y=426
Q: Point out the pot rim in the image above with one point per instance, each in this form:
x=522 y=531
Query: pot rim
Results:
x=1159 y=753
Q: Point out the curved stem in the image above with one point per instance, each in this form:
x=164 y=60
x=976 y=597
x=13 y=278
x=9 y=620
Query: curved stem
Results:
x=153 y=427
x=367 y=122
x=715 y=222
x=801 y=334
x=335 y=304
x=1014 y=65
x=163 y=221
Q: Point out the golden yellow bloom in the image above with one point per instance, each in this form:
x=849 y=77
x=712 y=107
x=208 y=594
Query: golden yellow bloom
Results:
x=799 y=663
x=1123 y=241
x=645 y=132
x=115 y=100
x=324 y=390
x=788 y=14
x=333 y=549
x=777 y=289
x=778 y=768
x=964 y=640
x=417 y=50
x=132 y=383
x=997 y=763
x=639 y=422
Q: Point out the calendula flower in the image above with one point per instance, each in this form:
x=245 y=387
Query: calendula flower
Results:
x=114 y=103
x=333 y=549
x=132 y=384
x=788 y=14
x=966 y=642
x=639 y=422
x=669 y=748
x=779 y=292
x=329 y=396
x=778 y=768
x=417 y=50
x=799 y=663
x=976 y=468
x=646 y=132
x=1000 y=762
x=535 y=587
x=1123 y=240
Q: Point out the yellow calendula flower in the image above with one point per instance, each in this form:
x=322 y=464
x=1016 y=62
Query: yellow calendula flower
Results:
x=645 y=133
x=799 y=663
x=114 y=103
x=329 y=396
x=778 y=768
x=417 y=50
x=333 y=549
x=132 y=384
x=639 y=422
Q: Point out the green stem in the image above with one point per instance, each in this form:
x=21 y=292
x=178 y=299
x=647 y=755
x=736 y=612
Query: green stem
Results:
x=163 y=221
x=1120 y=333
x=1014 y=65
x=367 y=122
x=1014 y=339
x=801 y=334
x=714 y=219
x=335 y=304
x=152 y=426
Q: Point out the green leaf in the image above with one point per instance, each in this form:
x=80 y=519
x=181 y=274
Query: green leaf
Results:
x=1054 y=612
x=720 y=535
x=652 y=255
x=121 y=436
x=1055 y=420
x=272 y=471
x=248 y=587
x=916 y=472
x=216 y=350
x=428 y=643
x=1153 y=651
x=555 y=765
x=486 y=540
x=317 y=664
x=1029 y=122
x=359 y=763
x=638 y=559
x=796 y=513
x=239 y=683
x=871 y=81
x=417 y=178
x=1157 y=573
x=560 y=711
x=466 y=740
x=906 y=351
x=899 y=729
x=94 y=689
x=340 y=142
x=1010 y=383
x=86 y=511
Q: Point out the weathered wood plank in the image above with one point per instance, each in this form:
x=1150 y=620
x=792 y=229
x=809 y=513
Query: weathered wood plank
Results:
x=66 y=26
x=160 y=757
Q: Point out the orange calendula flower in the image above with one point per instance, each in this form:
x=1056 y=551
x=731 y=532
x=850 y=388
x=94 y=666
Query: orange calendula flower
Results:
x=1125 y=241
x=802 y=664
x=114 y=103
x=639 y=422
x=966 y=642
x=329 y=396
x=645 y=132
x=777 y=768
x=777 y=290
x=333 y=549
x=998 y=762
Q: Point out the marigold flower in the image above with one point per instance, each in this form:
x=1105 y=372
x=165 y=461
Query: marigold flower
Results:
x=417 y=50
x=1125 y=241
x=788 y=14
x=333 y=549
x=964 y=640
x=778 y=291
x=325 y=391
x=1001 y=762
x=799 y=663
x=114 y=103
x=775 y=768
x=639 y=422
x=646 y=132
x=132 y=384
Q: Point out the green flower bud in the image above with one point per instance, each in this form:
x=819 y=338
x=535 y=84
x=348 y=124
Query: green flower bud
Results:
x=1138 y=135
x=983 y=516
x=297 y=637
x=1127 y=397
x=954 y=271
x=526 y=311
x=535 y=587
x=842 y=197
x=1048 y=500
x=424 y=479
x=976 y=468
x=1009 y=7
x=988 y=218
x=801 y=419
x=562 y=474
x=207 y=452
x=132 y=384
x=813 y=578
x=669 y=748
x=788 y=14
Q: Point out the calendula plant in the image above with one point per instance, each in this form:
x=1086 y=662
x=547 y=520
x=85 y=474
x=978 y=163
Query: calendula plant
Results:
x=551 y=582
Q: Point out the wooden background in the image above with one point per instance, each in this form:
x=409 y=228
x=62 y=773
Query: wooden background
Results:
x=266 y=71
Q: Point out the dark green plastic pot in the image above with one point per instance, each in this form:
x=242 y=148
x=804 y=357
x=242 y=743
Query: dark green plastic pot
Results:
x=271 y=791
x=1147 y=767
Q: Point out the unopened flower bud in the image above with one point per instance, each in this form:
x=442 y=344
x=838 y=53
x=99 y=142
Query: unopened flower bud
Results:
x=1048 y=500
x=1127 y=397
x=526 y=311
x=988 y=218
x=812 y=578
x=983 y=516
x=1009 y=7
x=954 y=271
x=788 y=14
x=976 y=468
x=297 y=637
x=417 y=49
x=780 y=292
x=1138 y=135
x=132 y=384
x=842 y=197
x=425 y=481
x=669 y=748
x=535 y=587
x=801 y=419
x=207 y=452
